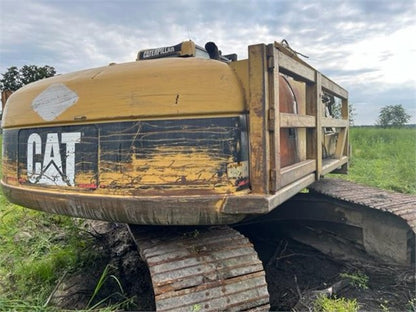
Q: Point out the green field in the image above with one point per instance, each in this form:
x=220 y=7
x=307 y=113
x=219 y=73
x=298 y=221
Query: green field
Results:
x=36 y=249
x=384 y=158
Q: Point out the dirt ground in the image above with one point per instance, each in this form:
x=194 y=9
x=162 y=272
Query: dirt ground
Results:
x=296 y=273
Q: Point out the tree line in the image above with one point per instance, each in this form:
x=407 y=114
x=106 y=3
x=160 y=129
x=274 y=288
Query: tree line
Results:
x=15 y=78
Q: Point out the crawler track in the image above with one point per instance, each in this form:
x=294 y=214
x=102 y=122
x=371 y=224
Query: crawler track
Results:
x=202 y=269
x=383 y=223
x=401 y=205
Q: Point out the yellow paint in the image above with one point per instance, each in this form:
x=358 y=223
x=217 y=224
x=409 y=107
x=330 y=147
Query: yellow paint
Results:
x=161 y=88
x=9 y=170
x=169 y=167
x=219 y=205
x=241 y=69
x=188 y=48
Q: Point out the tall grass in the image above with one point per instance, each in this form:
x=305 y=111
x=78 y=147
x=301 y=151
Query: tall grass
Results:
x=384 y=158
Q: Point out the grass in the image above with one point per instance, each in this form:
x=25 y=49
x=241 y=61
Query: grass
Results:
x=357 y=279
x=36 y=249
x=384 y=158
x=325 y=304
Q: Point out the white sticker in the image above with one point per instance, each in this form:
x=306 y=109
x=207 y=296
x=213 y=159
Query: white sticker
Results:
x=51 y=171
x=53 y=101
x=237 y=170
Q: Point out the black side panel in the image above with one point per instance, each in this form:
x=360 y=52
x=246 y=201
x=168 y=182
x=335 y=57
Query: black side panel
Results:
x=158 y=154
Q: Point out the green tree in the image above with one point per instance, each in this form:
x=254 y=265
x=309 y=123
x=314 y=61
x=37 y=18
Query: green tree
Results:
x=11 y=79
x=392 y=116
x=15 y=78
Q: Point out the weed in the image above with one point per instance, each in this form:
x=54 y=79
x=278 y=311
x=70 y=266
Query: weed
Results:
x=105 y=276
x=358 y=279
x=325 y=304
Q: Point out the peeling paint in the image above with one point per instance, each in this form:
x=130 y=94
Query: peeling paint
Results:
x=170 y=167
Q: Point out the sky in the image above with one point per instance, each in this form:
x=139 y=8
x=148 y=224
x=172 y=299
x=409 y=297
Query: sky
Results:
x=366 y=46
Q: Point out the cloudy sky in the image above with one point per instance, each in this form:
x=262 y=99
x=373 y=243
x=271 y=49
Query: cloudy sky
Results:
x=368 y=47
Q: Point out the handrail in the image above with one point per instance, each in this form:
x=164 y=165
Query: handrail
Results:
x=291 y=64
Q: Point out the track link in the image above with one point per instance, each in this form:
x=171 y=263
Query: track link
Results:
x=387 y=219
x=202 y=269
x=401 y=205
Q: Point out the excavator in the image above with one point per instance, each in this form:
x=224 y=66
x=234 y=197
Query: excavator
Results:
x=186 y=137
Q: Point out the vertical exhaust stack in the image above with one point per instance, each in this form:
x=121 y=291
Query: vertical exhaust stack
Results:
x=212 y=50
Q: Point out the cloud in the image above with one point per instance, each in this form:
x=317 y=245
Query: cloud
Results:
x=69 y=42
x=363 y=45
x=368 y=103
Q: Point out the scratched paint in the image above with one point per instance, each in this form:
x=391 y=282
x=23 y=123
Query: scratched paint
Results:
x=170 y=168
x=132 y=158
x=170 y=155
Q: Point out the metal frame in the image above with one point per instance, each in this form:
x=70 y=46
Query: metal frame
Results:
x=266 y=174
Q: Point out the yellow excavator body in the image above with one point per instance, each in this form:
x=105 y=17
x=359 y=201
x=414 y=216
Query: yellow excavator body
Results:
x=183 y=136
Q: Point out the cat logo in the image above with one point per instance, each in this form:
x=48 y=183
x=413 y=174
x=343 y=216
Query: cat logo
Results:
x=56 y=168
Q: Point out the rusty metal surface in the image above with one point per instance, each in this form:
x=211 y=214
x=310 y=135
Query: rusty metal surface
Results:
x=202 y=269
x=401 y=205
x=288 y=136
x=5 y=94
x=153 y=210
